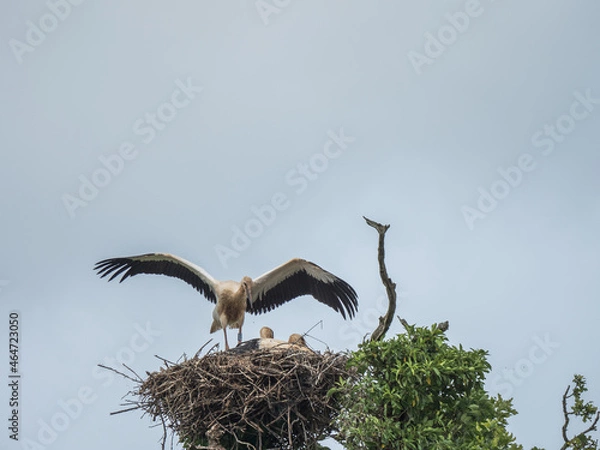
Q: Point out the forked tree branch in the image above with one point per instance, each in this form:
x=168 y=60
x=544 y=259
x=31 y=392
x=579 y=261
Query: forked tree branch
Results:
x=568 y=442
x=390 y=286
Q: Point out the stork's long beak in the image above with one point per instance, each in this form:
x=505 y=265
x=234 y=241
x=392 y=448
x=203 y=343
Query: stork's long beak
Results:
x=249 y=293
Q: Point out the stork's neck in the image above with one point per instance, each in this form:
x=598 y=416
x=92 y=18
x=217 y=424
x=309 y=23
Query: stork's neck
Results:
x=246 y=287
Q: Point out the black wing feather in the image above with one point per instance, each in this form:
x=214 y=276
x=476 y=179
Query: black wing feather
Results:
x=129 y=267
x=338 y=294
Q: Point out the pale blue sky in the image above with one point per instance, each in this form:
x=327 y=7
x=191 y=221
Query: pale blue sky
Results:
x=240 y=104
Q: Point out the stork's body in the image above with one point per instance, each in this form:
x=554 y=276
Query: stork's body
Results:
x=232 y=300
x=230 y=309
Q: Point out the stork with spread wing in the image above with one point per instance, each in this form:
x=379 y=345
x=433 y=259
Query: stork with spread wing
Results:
x=293 y=279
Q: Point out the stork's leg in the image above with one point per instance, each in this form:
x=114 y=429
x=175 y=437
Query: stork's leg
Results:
x=240 y=335
x=225 y=334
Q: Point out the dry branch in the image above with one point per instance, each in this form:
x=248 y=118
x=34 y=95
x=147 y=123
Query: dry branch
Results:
x=390 y=286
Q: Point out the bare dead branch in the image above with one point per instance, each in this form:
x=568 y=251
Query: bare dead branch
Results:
x=403 y=322
x=133 y=372
x=390 y=286
x=120 y=373
x=202 y=348
x=124 y=410
x=164 y=438
x=166 y=361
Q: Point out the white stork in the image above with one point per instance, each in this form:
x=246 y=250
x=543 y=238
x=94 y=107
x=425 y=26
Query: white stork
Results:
x=267 y=342
x=290 y=280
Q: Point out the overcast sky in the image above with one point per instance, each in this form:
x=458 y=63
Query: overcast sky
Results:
x=241 y=134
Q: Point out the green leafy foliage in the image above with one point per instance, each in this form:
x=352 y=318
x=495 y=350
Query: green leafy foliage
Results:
x=416 y=391
x=247 y=440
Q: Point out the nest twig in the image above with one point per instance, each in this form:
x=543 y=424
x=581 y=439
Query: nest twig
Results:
x=260 y=399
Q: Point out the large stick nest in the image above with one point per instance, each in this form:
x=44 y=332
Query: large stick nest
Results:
x=260 y=399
